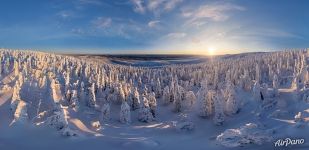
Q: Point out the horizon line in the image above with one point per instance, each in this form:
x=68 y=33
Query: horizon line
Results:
x=138 y=52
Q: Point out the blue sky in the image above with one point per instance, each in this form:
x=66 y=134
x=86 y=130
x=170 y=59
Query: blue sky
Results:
x=154 y=26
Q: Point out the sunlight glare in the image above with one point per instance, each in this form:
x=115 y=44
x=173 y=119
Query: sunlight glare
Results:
x=211 y=51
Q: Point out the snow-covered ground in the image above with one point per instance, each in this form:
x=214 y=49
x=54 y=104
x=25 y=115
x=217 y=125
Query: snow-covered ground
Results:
x=62 y=102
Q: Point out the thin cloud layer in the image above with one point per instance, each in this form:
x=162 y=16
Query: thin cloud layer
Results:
x=176 y=35
x=154 y=6
x=153 y=23
x=210 y=12
x=102 y=23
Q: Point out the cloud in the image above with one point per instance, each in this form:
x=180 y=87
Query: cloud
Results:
x=102 y=22
x=214 y=12
x=153 y=23
x=152 y=5
x=93 y=2
x=83 y=4
x=78 y=31
x=138 y=6
x=65 y=14
x=171 y=4
x=116 y=27
x=176 y=35
x=165 y=4
x=155 y=6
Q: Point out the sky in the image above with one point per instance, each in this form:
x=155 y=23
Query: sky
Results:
x=154 y=26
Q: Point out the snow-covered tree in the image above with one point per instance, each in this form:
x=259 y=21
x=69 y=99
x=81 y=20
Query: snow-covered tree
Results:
x=275 y=85
x=257 y=73
x=231 y=105
x=189 y=101
x=144 y=91
x=57 y=120
x=21 y=114
x=7 y=66
x=121 y=96
x=144 y=114
x=139 y=82
x=172 y=89
x=215 y=77
x=56 y=91
x=68 y=95
x=125 y=114
x=166 y=95
x=294 y=82
x=153 y=104
x=219 y=116
x=133 y=99
x=205 y=99
x=257 y=95
x=158 y=88
x=16 y=68
x=264 y=91
x=106 y=112
x=136 y=99
x=179 y=97
x=16 y=96
x=245 y=80
x=92 y=96
x=74 y=103
x=67 y=81
x=82 y=94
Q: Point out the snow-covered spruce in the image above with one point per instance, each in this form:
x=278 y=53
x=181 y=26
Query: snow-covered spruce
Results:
x=264 y=91
x=133 y=99
x=92 y=96
x=245 y=80
x=144 y=114
x=153 y=104
x=57 y=120
x=125 y=114
x=74 y=103
x=205 y=103
x=20 y=114
x=219 y=116
x=105 y=112
x=231 y=105
x=275 y=85
x=179 y=98
x=189 y=101
x=16 y=96
x=166 y=95
x=257 y=95
x=205 y=100
x=56 y=91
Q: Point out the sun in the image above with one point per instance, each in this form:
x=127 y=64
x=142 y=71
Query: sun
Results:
x=211 y=50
